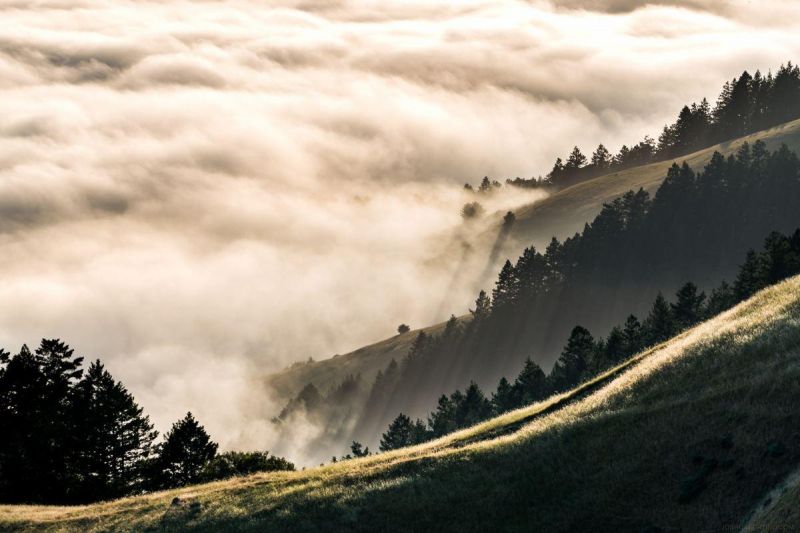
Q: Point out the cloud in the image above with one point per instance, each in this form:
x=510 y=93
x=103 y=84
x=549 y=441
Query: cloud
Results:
x=200 y=193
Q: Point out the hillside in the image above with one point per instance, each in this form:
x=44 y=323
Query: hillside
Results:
x=560 y=214
x=687 y=436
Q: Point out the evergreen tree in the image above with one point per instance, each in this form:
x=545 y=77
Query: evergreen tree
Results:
x=722 y=298
x=615 y=349
x=531 y=384
x=475 y=407
x=632 y=333
x=503 y=397
x=659 y=325
x=358 y=449
x=507 y=287
x=186 y=450
x=398 y=435
x=576 y=160
x=748 y=281
x=571 y=365
x=483 y=308
x=114 y=438
x=688 y=309
x=443 y=420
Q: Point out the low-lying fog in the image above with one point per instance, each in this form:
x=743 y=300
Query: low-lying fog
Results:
x=200 y=193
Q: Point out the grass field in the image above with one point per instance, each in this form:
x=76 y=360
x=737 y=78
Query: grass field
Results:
x=560 y=214
x=689 y=436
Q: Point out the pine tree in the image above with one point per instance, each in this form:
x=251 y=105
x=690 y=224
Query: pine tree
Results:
x=475 y=407
x=506 y=289
x=659 y=325
x=615 y=346
x=531 y=384
x=503 y=397
x=114 y=438
x=632 y=333
x=748 y=281
x=576 y=160
x=443 y=420
x=722 y=298
x=186 y=450
x=22 y=412
x=358 y=449
x=483 y=308
x=398 y=435
x=601 y=158
x=571 y=365
x=688 y=309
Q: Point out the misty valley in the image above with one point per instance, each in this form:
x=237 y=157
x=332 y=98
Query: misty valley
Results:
x=351 y=266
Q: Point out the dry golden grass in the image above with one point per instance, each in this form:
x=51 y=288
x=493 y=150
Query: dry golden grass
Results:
x=689 y=435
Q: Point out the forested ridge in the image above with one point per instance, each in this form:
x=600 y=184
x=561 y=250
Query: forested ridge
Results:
x=698 y=227
x=746 y=104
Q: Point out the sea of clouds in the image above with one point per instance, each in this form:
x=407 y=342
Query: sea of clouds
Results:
x=201 y=192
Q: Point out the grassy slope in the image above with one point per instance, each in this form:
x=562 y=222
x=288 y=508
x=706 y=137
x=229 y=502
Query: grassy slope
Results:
x=688 y=436
x=560 y=214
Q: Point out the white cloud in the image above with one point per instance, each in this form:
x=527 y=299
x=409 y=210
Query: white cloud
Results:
x=201 y=192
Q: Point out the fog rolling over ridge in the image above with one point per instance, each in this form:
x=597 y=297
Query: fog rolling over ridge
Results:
x=201 y=196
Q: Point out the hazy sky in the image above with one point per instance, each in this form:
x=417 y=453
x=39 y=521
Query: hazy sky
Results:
x=198 y=192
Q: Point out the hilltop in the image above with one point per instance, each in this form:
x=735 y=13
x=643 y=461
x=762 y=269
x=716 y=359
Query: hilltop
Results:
x=561 y=214
x=689 y=435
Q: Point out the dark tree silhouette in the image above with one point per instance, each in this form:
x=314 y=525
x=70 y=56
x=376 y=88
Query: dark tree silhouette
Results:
x=186 y=450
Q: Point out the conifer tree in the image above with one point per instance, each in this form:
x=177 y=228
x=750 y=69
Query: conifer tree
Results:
x=114 y=438
x=506 y=289
x=748 y=281
x=531 y=384
x=398 y=435
x=688 y=307
x=659 y=325
x=503 y=397
x=632 y=333
x=186 y=450
x=483 y=308
x=571 y=365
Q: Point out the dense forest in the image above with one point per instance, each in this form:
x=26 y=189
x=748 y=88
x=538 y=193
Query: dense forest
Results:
x=583 y=356
x=746 y=104
x=696 y=227
x=75 y=435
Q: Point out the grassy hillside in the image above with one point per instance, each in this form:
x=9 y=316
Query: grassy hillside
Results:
x=560 y=214
x=688 y=436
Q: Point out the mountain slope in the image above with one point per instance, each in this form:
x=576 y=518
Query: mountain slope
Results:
x=560 y=214
x=688 y=436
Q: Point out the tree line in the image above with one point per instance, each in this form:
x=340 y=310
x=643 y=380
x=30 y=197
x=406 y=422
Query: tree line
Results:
x=75 y=435
x=583 y=356
x=746 y=104
x=697 y=226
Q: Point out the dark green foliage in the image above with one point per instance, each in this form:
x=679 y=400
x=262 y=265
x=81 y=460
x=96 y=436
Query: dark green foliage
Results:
x=659 y=325
x=503 y=397
x=230 y=464
x=358 y=450
x=115 y=438
x=403 y=328
x=570 y=367
x=722 y=298
x=70 y=437
x=688 y=309
x=748 y=281
x=531 y=384
x=186 y=451
x=403 y=432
